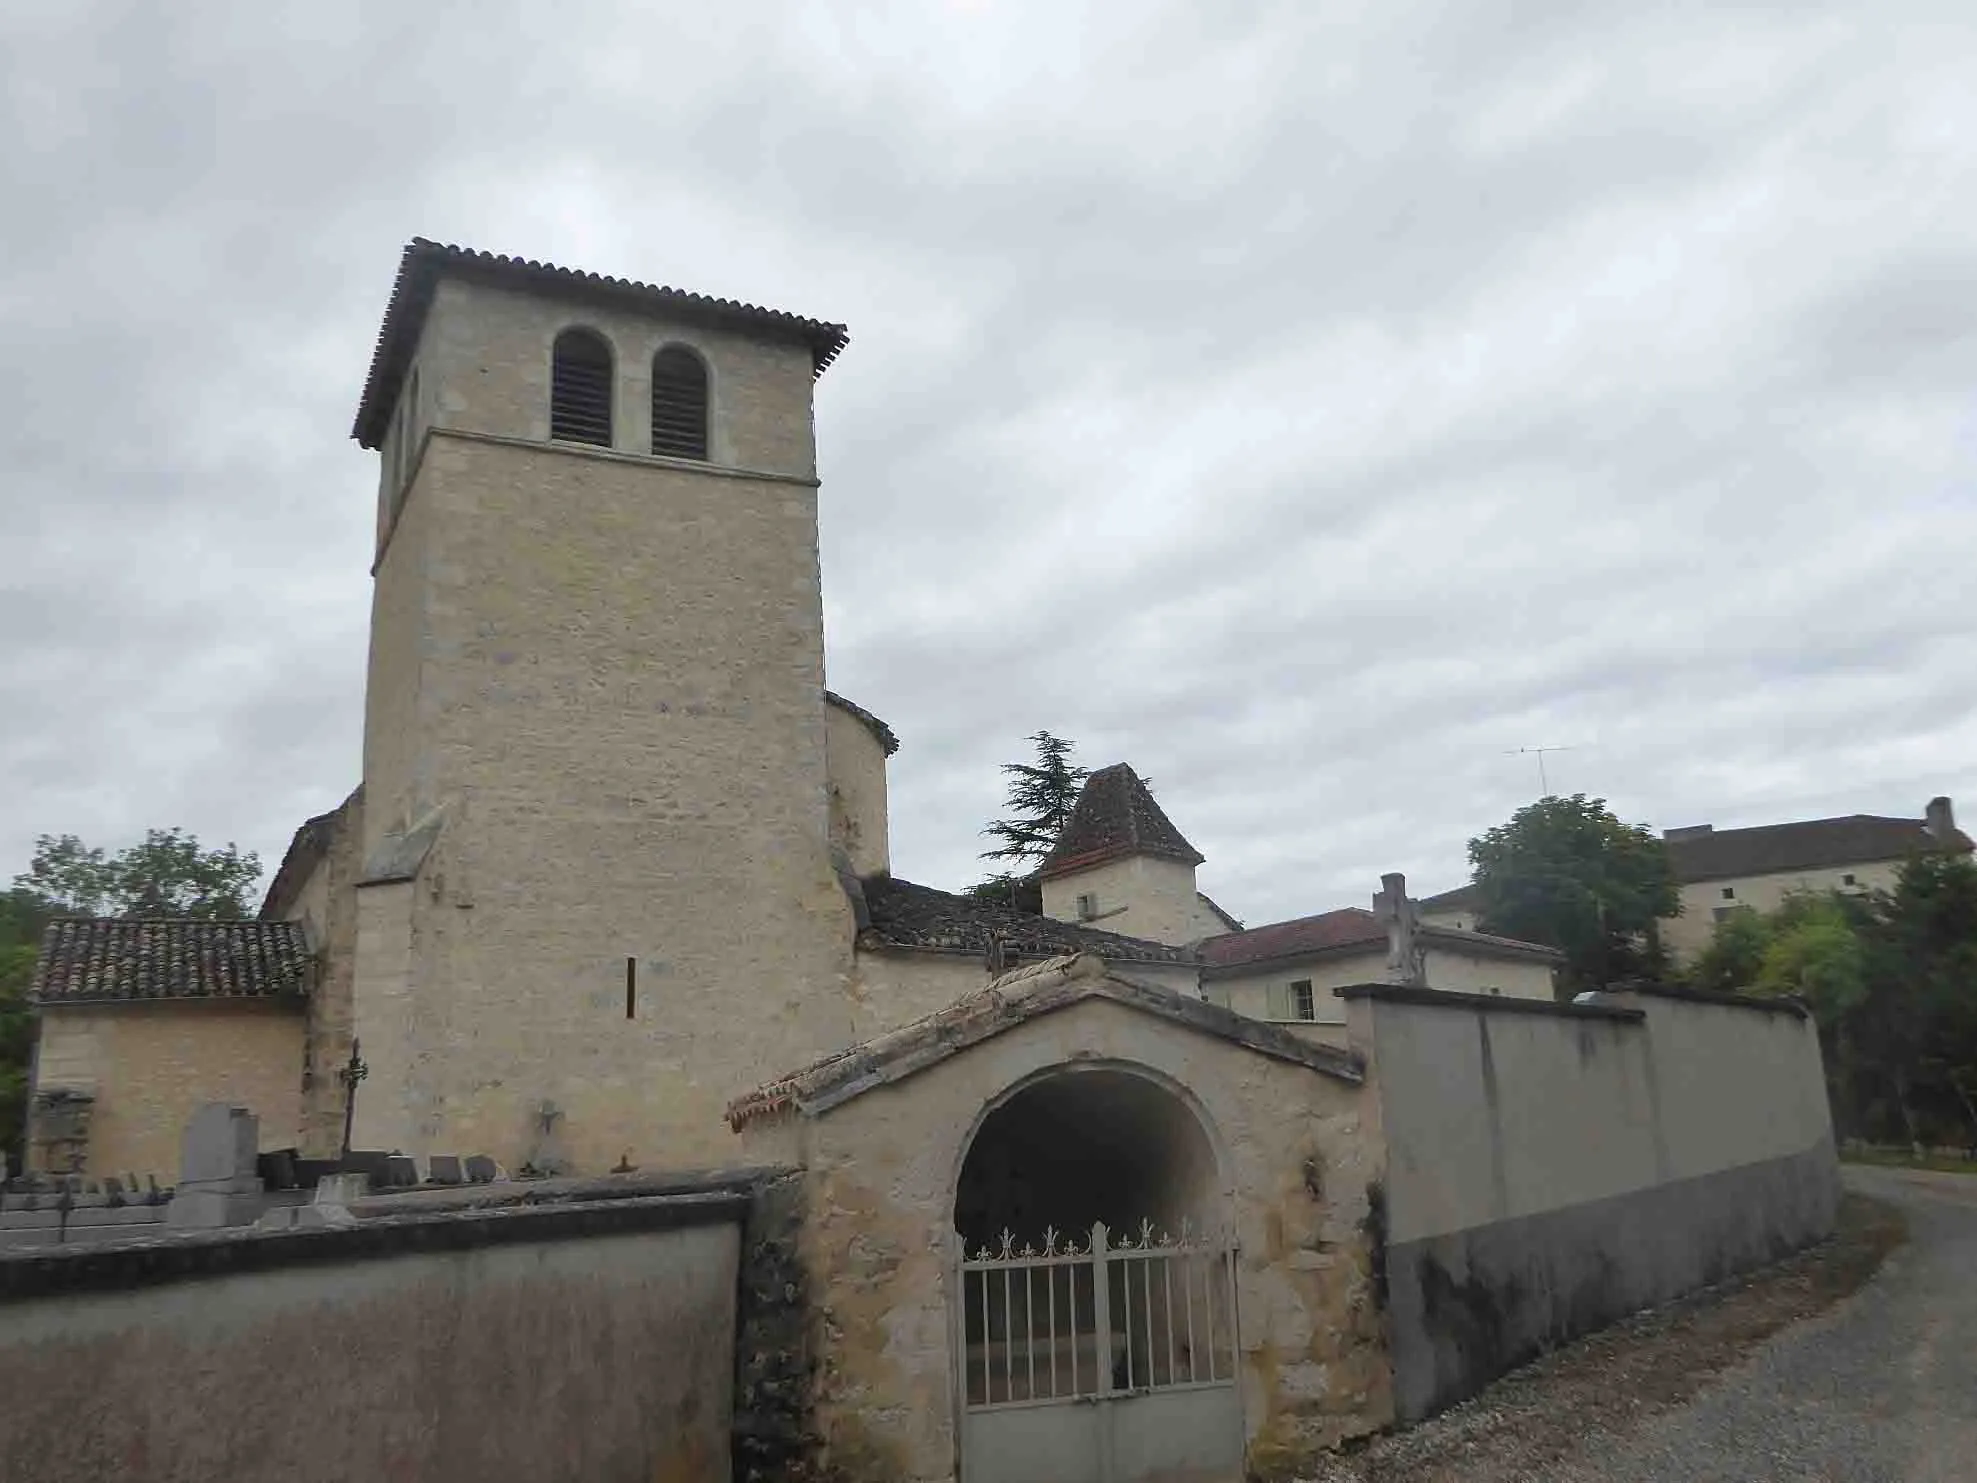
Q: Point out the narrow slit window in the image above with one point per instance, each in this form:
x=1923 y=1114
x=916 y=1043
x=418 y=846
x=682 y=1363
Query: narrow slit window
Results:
x=580 y=389
x=679 y=403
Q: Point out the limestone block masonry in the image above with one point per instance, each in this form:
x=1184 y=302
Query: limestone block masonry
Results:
x=601 y=673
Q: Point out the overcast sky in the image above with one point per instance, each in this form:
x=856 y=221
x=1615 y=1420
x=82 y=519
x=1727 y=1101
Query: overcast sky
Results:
x=1308 y=403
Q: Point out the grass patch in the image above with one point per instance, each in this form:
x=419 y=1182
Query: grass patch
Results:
x=1894 y=1158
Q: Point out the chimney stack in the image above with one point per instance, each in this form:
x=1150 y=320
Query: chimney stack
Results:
x=1940 y=821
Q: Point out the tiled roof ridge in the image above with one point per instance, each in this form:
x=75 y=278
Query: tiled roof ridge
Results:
x=906 y=914
x=1037 y=989
x=422 y=260
x=157 y=959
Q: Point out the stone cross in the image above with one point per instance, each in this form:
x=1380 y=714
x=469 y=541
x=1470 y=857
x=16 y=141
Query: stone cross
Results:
x=1407 y=957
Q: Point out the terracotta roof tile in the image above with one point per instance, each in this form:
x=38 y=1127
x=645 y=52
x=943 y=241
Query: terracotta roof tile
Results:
x=1014 y=998
x=1115 y=818
x=423 y=263
x=908 y=915
x=1348 y=928
x=103 y=959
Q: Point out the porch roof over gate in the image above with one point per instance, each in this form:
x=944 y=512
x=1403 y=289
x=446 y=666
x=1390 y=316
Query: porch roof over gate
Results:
x=1015 y=998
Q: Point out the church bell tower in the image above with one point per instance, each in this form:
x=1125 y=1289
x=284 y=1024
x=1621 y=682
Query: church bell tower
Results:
x=597 y=897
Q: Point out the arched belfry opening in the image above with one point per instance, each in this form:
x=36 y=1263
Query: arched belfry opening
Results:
x=580 y=380
x=1083 y=1146
x=1096 y=1300
x=679 y=403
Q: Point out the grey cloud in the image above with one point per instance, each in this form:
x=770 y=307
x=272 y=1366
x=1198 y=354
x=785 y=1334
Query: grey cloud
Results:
x=1310 y=405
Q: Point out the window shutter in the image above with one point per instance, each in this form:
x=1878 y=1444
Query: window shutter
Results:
x=679 y=403
x=580 y=389
x=1279 y=1002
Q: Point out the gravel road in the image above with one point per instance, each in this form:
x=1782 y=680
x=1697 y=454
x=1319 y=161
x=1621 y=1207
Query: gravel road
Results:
x=1768 y=1379
x=1881 y=1390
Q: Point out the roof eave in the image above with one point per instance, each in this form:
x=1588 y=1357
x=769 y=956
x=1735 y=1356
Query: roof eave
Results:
x=423 y=263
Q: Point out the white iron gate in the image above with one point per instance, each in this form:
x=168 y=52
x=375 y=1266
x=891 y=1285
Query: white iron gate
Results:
x=1110 y=1362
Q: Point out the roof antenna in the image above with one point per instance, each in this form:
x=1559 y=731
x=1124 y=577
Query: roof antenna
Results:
x=1544 y=784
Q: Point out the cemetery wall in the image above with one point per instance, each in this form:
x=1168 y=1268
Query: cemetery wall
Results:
x=1553 y=1167
x=559 y=1339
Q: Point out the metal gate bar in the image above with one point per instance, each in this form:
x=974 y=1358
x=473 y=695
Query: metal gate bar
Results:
x=1128 y=1322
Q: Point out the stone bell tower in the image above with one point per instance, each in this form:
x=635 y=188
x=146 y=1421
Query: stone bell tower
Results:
x=597 y=897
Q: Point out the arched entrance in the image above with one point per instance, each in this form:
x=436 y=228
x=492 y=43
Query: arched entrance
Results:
x=1097 y=1323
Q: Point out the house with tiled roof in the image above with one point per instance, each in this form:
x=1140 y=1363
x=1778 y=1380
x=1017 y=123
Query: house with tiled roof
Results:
x=142 y=1021
x=1121 y=862
x=1720 y=871
x=1286 y=971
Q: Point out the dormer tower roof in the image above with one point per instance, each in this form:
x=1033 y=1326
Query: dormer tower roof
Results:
x=1116 y=818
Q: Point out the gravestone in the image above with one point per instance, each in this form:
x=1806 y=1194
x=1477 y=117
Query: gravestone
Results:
x=218 y=1184
x=401 y=1172
x=373 y=1164
x=480 y=1169
x=444 y=1168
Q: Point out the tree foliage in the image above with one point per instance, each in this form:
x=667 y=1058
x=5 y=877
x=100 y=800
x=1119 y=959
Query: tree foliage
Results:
x=1041 y=796
x=167 y=874
x=1891 y=979
x=1566 y=872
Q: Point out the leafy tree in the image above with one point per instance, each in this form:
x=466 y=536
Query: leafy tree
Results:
x=1891 y=979
x=1040 y=797
x=22 y=916
x=1734 y=957
x=1566 y=872
x=168 y=874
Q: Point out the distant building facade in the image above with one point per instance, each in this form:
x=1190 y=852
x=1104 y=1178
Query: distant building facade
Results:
x=1722 y=870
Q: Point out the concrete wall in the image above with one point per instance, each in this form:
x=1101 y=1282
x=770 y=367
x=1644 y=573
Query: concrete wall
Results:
x=1141 y=896
x=879 y=1244
x=151 y=1066
x=1688 y=934
x=544 y=1345
x=1551 y=1168
x=608 y=669
x=857 y=767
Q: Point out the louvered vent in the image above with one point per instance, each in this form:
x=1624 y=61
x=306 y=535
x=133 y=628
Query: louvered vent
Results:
x=679 y=403
x=580 y=389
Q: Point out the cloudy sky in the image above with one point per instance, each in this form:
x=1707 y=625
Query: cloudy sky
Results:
x=1309 y=403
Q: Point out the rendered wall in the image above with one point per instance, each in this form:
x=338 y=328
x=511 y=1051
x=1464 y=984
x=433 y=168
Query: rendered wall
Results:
x=151 y=1066
x=1688 y=934
x=1250 y=992
x=602 y=1358
x=1141 y=896
x=857 y=767
x=1550 y=1169
x=879 y=1246
x=1466 y=973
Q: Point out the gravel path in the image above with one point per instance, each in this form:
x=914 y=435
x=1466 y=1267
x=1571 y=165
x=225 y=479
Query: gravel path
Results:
x=1881 y=1390
x=1777 y=1377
